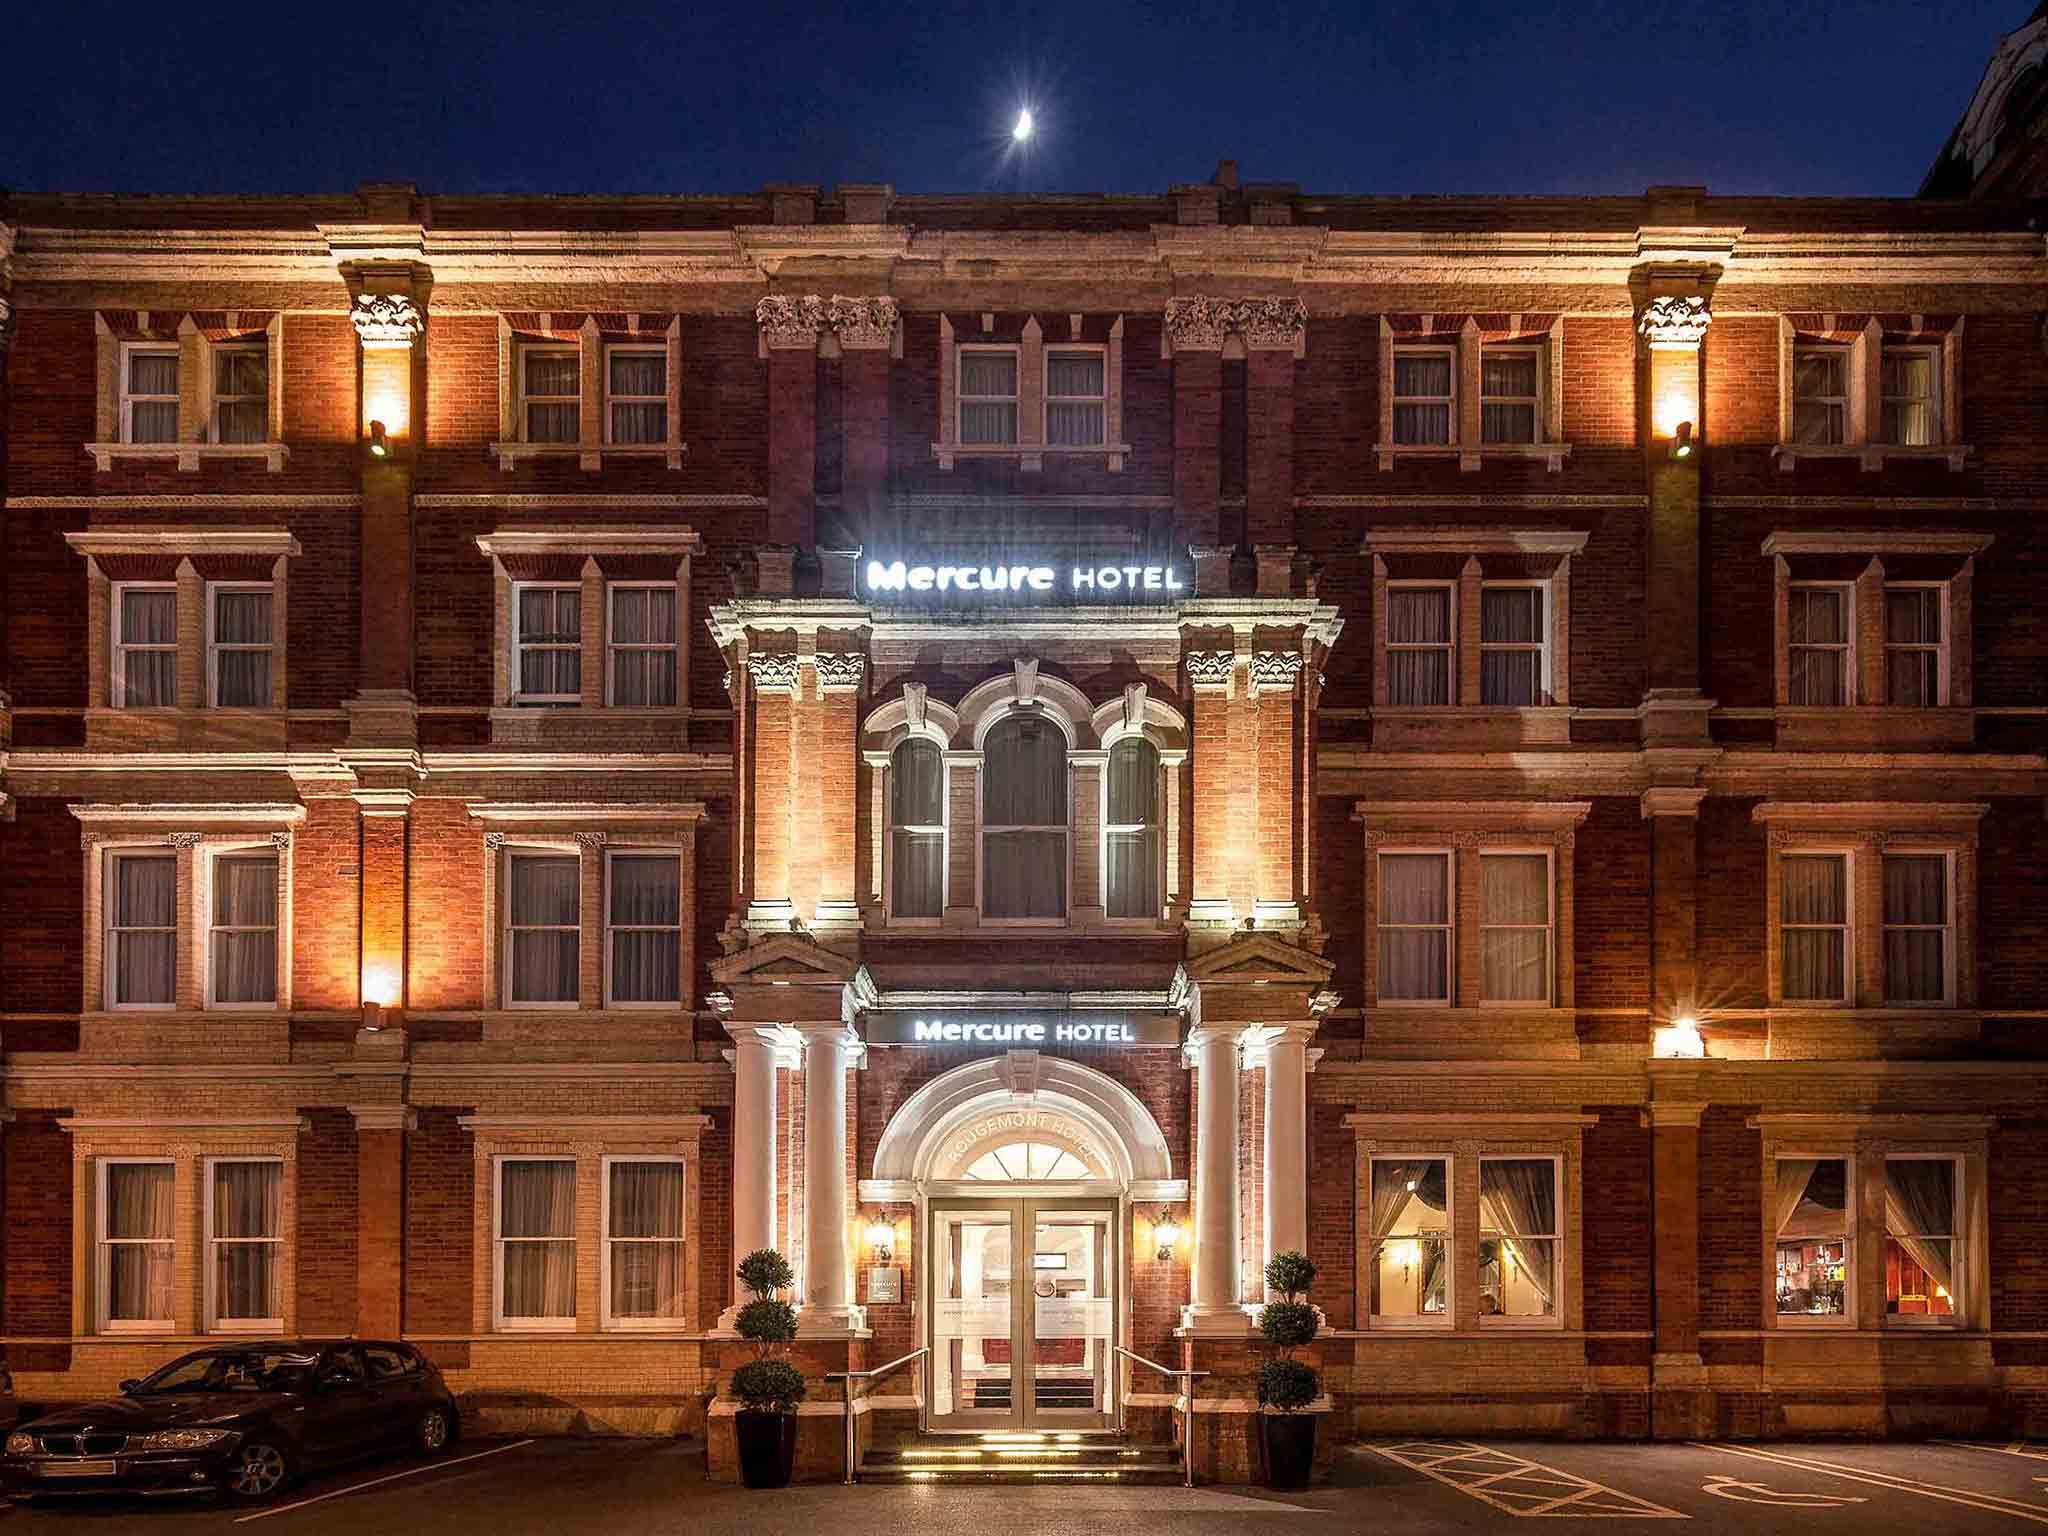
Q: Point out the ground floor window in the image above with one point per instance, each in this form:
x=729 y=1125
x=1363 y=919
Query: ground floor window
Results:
x=536 y=1242
x=1816 y=1258
x=137 y=1245
x=1410 y=1222
x=244 y=1222
x=645 y=1281
x=1518 y=1237
x=1920 y=1250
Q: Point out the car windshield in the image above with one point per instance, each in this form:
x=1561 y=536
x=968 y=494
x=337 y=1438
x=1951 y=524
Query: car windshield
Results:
x=232 y=1370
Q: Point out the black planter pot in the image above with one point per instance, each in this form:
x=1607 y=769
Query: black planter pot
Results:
x=767 y=1443
x=1290 y=1448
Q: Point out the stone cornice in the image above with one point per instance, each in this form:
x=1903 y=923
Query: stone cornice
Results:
x=659 y=540
x=1875 y=541
x=1860 y=815
x=183 y=541
x=586 y=814
x=1435 y=815
x=1476 y=540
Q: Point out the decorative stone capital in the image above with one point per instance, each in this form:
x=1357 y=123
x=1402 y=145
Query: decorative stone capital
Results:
x=386 y=321
x=861 y=323
x=591 y=839
x=1210 y=669
x=790 y=320
x=840 y=671
x=281 y=841
x=1270 y=324
x=494 y=841
x=6 y=324
x=774 y=671
x=185 y=839
x=1198 y=324
x=1675 y=324
x=1275 y=670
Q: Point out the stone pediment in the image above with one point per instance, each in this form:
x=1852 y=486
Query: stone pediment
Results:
x=787 y=958
x=1260 y=957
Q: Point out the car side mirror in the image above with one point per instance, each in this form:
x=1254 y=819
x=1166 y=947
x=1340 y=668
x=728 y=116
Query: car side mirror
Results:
x=131 y=1384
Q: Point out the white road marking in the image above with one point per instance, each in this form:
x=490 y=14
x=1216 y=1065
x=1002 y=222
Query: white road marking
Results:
x=1515 y=1485
x=1996 y=1503
x=2017 y=1448
x=335 y=1493
x=1763 y=1493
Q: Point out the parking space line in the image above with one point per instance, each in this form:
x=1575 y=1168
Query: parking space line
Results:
x=1995 y=1502
x=335 y=1493
x=1517 y=1486
x=2017 y=1448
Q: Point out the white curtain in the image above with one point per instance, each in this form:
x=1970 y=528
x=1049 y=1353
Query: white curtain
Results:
x=1908 y=388
x=1814 y=891
x=141 y=1218
x=1024 y=770
x=1074 y=422
x=1511 y=375
x=1794 y=1174
x=1514 y=934
x=149 y=678
x=643 y=640
x=1426 y=420
x=543 y=910
x=537 y=1222
x=1419 y=616
x=1518 y=1199
x=1817 y=659
x=245 y=929
x=1920 y=1215
x=145 y=928
x=550 y=640
x=553 y=374
x=1511 y=618
x=1133 y=802
x=648 y=1279
x=248 y=1200
x=647 y=943
x=1414 y=919
x=153 y=373
x=639 y=373
x=917 y=869
x=241 y=631
x=1811 y=1194
x=1916 y=931
x=988 y=373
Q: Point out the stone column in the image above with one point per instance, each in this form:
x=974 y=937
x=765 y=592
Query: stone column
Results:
x=776 y=677
x=1285 y=1047
x=789 y=338
x=828 y=1308
x=1672 y=325
x=1275 y=687
x=1216 y=1309
x=1195 y=328
x=757 y=1051
x=389 y=324
x=832 y=774
x=1212 y=680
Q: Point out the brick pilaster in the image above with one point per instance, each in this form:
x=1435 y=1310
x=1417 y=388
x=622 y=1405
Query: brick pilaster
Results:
x=1269 y=447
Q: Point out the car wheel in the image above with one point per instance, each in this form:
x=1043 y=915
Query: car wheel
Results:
x=259 y=1470
x=433 y=1431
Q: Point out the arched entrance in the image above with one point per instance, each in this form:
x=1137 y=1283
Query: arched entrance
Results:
x=1022 y=1169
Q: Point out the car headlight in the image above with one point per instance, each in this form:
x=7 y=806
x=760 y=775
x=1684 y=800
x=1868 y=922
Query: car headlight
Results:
x=179 y=1439
x=20 y=1445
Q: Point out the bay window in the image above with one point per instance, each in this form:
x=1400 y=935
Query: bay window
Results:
x=642 y=644
x=645 y=1283
x=149 y=395
x=244 y=1237
x=141 y=906
x=551 y=394
x=1415 y=927
x=1419 y=644
x=1814 y=927
x=1131 y=829
x=547 y=644
x=643 y=929
x=145 y=645
x=1815 y=1228
x=239 y=644
x=1515 y=941
x=1409 y=1228
x=542 y=929
x=1024 y=820
x=1921 y=1223
x=137 y=1245
x=534 y=1228
x=1519 y=1239
x=917 y=829
x=242 y=938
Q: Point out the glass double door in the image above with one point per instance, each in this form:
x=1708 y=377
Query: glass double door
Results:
x=1023 y=1307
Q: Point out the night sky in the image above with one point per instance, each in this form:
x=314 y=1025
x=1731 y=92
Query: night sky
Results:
x=1755 y=96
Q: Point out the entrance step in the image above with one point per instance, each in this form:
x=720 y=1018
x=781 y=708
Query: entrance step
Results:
x=1023 y=1457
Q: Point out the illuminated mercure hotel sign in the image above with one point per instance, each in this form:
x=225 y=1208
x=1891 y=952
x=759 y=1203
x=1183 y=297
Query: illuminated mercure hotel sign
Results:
x=1009 y=1030
x=1125 y=583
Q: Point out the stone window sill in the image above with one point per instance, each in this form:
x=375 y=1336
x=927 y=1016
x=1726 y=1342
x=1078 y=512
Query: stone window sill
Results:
x=1872 y=456
x=189 y=455
x=511 y=455
x=1030 y=457
x=1469 y=459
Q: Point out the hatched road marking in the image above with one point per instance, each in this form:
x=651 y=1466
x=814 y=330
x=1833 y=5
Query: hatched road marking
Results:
x=335 y=1493
x=1975 y=1499
x=2017 y=1448
x=1516 y=1485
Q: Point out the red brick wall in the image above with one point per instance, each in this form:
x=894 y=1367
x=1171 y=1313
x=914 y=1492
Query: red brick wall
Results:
x=40 y=970
x=38 y=1225
x=440 y=1178
x=1731 y=1231
x=326 y=1239
x=1615 y=1200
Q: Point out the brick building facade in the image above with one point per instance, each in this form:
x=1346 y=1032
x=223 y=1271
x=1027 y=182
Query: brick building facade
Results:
x=549 y=743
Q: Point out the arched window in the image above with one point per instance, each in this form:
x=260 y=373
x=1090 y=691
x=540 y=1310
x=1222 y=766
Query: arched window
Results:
x=1131 y=829
x=1024 y=820
x=917 y=855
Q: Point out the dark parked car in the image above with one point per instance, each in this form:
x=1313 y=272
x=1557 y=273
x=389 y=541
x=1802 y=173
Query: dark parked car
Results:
x=241 y=1418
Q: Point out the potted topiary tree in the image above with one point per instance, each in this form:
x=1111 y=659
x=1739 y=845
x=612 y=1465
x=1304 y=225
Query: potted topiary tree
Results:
x=1287 y=1385
x=768 y=1387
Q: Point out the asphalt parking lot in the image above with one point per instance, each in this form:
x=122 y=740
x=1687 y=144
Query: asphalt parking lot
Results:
x=507 y=1487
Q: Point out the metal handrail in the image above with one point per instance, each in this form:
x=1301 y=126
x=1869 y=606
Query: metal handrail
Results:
x=1187 y=1442
x=849 y=1378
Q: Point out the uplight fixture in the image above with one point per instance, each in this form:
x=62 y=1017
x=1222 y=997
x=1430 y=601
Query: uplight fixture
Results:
x=380 y=441
x=1680 y=1040
x=1166 y=1233
x=1681 y=441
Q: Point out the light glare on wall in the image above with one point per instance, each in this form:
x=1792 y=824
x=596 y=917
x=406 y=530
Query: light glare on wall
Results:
x=380 y=985
x=1680 y=1039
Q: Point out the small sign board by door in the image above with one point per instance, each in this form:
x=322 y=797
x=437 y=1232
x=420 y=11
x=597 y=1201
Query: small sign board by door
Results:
x=885 y=1284
x=1010 y=1029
